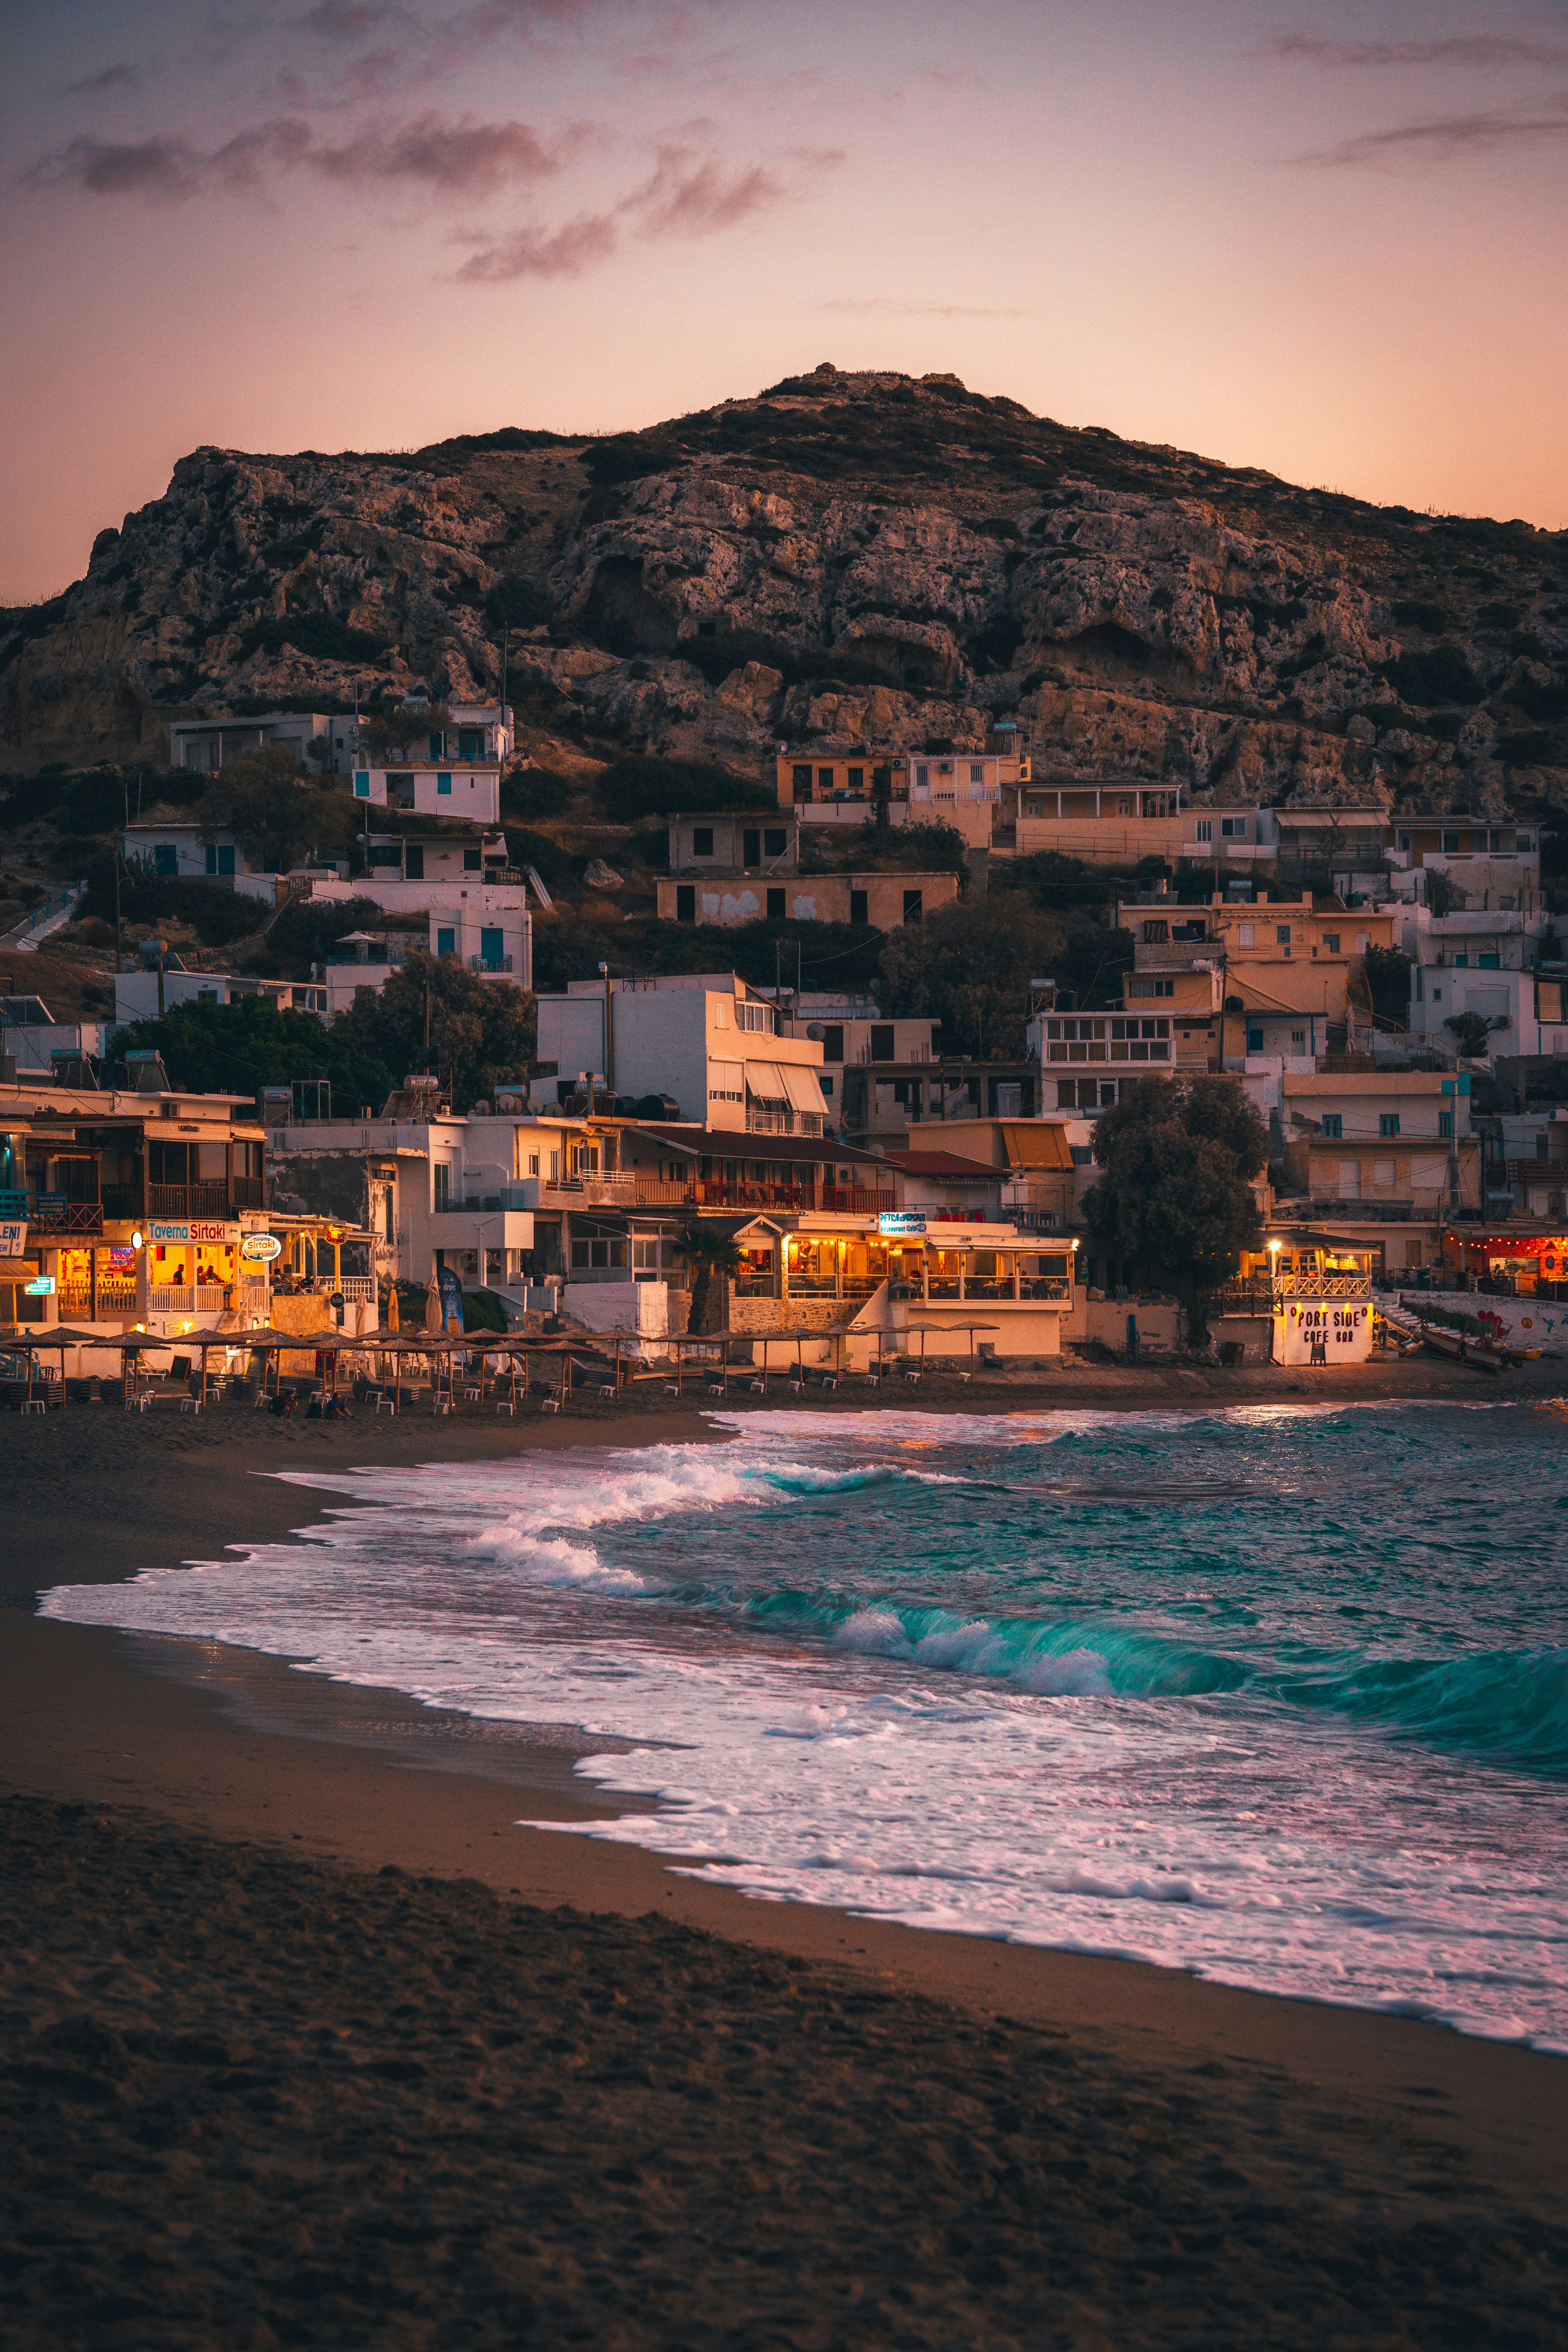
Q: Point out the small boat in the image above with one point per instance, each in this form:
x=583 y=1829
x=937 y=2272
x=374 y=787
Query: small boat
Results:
x=1463 y=1348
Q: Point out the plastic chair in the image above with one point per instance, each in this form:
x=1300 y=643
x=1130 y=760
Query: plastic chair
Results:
x=35 y=1405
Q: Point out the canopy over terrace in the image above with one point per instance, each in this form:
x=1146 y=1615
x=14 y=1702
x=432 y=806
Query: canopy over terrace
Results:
x=1533 y=1255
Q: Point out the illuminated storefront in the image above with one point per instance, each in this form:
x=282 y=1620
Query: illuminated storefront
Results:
x=1533 y=1259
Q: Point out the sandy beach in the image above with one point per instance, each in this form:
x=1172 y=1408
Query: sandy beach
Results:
x=310 y=2043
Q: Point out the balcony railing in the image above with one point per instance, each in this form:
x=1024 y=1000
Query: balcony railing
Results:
x=51 y=1213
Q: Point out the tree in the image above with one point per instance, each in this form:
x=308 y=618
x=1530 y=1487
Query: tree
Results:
x=638 y=785
x=480 y=1031
x=970 y=967
x=399 y=730
x=1388 y=982
x=713 y=1252
x=237 y=1049
x=1469 y=1032
x=273 y=814
x=1178 y=1157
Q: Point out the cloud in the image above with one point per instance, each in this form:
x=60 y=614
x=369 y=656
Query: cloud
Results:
x=882 y=306
x=444 y=156
x=346 y=20
x=111 y=78
x=533 y=253
x=453 y=158
x=690 y=195
x=1447 y=137
x=1459 y=49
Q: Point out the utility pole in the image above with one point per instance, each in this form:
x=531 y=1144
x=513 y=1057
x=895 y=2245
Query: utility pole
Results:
x=794 y=1016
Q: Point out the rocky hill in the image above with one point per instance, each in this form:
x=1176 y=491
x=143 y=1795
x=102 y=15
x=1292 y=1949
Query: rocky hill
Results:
x=843 y=559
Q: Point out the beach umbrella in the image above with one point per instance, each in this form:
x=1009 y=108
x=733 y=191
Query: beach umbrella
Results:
x=392 y=1309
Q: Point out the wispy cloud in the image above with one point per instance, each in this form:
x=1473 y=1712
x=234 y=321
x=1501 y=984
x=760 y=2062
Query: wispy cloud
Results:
x=688 y=195
x=882 y=306
x=1446 y=138
x=114 y=76
x=348 y=20
x=565 y=252
x=1469 y=50
x=452 y=157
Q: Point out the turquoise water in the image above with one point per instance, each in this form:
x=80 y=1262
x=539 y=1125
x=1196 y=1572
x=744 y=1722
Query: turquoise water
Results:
x=1278 y=1695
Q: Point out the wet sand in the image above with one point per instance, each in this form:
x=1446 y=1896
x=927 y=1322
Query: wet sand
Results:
x=540 y=2089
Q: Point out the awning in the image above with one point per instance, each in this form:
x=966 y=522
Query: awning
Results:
x=1036 y=1144
x=784 y=1082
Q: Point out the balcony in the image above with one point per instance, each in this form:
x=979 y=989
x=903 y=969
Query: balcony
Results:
x=51 y=1213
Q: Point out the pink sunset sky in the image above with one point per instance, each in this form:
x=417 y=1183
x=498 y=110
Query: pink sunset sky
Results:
x=1322 y=240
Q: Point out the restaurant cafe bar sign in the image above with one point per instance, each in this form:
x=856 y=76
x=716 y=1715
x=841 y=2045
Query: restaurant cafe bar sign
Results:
x=193 y=1229
x=1325 y=1331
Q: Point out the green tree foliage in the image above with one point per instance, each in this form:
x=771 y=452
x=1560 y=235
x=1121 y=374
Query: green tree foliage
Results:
x=1469 y=1032
x=969 y=968
x=308 y=930
x=535 y=793
x=216 y=915
x=101 y=800
x=402 y=731
x=714 y=1256
x=1177 y=1157
x=931 y=847
x=481 y=1030
x=1388 y=980
x=1440 y=673
x=639 y=785
x=276 y=818
x=831 y=955
x=238 y=1048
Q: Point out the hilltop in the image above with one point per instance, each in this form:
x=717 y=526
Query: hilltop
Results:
x=843 y=558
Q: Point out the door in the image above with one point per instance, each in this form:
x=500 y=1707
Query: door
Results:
x=685 y=902
x=752 y=848
x=413 y=861
x=446 y=942
x=492 y=950
x=858 y=907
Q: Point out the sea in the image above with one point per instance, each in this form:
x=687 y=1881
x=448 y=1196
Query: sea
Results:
x=1275 y=1694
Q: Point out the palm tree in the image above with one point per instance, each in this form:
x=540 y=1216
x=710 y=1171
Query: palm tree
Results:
x=713 y=1255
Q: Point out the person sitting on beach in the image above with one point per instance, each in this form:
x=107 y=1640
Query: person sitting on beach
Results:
x=337 y=1408
x=282 y=1403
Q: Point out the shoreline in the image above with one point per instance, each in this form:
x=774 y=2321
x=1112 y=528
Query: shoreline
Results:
x=234 y=1744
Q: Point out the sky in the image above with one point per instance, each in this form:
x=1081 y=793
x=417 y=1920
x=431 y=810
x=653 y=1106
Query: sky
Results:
x=1323 y=239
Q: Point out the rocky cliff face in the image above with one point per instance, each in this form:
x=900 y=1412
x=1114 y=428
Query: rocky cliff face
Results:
x=842 y=561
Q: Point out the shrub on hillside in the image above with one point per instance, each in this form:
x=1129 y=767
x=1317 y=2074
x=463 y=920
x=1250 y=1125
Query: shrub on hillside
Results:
x=640 y=786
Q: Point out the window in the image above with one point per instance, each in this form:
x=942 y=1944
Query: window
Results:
x=1388 y=1122
x=976 y=771
x=1298 y=1040
x=1331 y=943
x=645 y=1260
x=1205 y=828
x=470 y=743
x=825 y=1083
x=1451 y=842
x=444 y=784
x=165 y=858
x=775 y=841
x=1144 y=983
x=702 y=841
x=442 y=1174
x=413 y=861
x=1244 y=934
x=858 y=909
x=1254 y=1041
x=1461 y=963
x=833 y=1042
x=775 y=909
x=492 y=948
x=533 y=1164
x=1487 y=962
x=800 y=783
x=1333 y=1126
x=751 y=848
x=922 y=780
x=1445 y=1123
x=914 y=905
x=825 y=779
x=685 y=903
x=473 y=861
x=881 y=1041
x=1156 y=934
x=362 y=783
x=1233 y=828
x=856 y=779
x=437 y=746
x=1282 y=935
x=446 y=942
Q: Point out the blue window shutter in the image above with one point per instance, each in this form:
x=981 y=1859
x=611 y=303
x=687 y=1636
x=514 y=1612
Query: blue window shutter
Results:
x=437 y=745
x=446 y=943
x=362 y=783
x=443 y=783
x=492 y=946
x=225 y=861
x=165 y=858
x=212 y=858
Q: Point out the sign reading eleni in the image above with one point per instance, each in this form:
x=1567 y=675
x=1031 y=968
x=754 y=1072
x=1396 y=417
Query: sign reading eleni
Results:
x=1322 y=1331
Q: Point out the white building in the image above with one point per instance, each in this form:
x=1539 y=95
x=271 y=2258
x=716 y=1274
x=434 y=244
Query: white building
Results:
x=146 y=995
x=175 y=846
x=1523 y=1011
x=333 y=743
x=468 y=788
x=716 y=1049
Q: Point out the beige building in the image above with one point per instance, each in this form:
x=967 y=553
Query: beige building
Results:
x=966 y=790
x=1396 y=1143
x=883 y=902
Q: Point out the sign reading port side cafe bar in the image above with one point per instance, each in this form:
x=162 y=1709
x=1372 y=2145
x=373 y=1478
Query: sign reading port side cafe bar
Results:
x=1325 y=1331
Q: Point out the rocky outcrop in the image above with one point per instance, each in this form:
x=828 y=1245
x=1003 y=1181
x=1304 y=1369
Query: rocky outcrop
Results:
x=844 y=561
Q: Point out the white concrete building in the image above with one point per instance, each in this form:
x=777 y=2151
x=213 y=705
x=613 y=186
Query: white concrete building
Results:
x=145 y=995
x=714 y=1046
x=174 y=846
x=466 y=788
x=1523 y=1011
x=316 y=740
